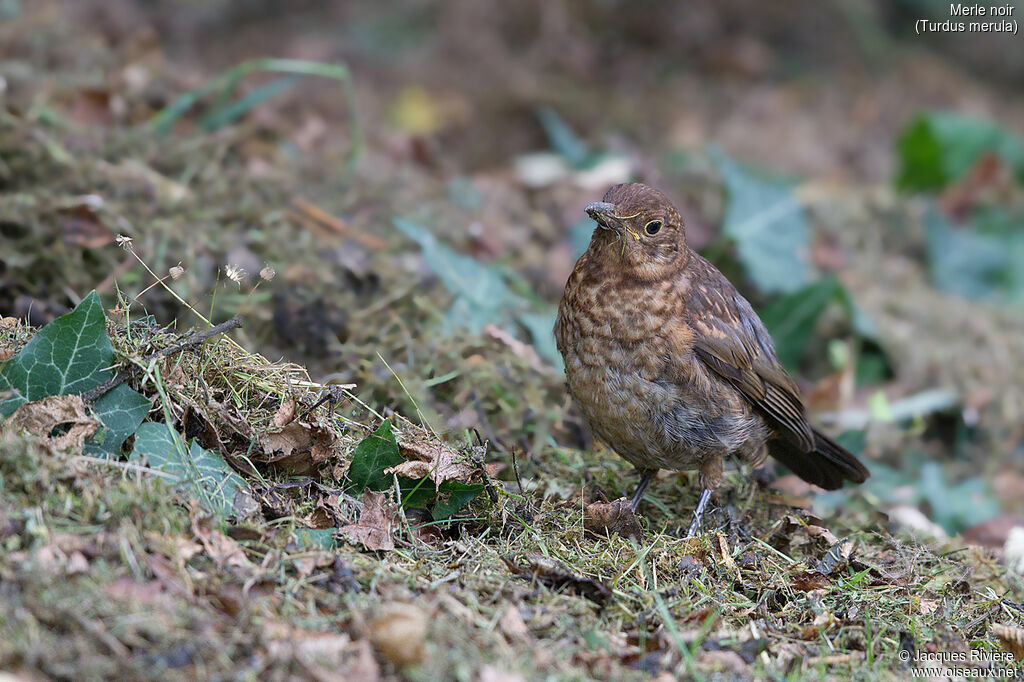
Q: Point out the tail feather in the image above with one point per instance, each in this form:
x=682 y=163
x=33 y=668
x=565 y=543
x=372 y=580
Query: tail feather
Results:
x=827 y=465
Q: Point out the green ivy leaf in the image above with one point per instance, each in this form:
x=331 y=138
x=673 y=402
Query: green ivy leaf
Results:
x=121 y=410
x=205 y=472
x=768 y=226
x=453 y=496
x=372 y=456
x=482 y=296
x=70 y=355
x=791 y=319
x=321 y=538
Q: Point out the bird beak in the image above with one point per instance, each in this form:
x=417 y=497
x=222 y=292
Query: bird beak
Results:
x=605 y=214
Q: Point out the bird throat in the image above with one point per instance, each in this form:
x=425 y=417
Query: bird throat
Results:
x=626 y=255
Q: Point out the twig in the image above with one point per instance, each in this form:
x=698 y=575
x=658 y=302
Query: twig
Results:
x=332 y=395
x=125 y=465
x=515 y=469
x=187 y=341
x=336 y=225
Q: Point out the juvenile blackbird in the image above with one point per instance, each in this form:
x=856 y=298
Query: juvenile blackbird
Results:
x=670 y=366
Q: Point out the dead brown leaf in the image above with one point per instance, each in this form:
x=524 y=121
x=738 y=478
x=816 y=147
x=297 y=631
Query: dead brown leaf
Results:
x=80 y=226
x=823 y=533
x=807 y=581
x=321 y=517
x=604 y=518
x=435 y=459
x=373 y=530
x=298 y=447
x=285 y=414
x=399 y=631
x=41 y=417
x=222 y=549
x=1011 y=637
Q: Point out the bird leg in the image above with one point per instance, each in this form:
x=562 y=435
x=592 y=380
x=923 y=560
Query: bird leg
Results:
x=710 y=478
x=646 y=476
x=705 y=495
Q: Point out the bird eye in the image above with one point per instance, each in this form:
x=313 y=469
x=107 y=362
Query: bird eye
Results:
x=653 y=227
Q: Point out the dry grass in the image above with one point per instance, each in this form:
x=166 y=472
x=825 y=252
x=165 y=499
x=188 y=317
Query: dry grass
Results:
x=106 y=571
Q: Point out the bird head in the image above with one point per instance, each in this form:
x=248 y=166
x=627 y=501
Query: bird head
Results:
x=639 y=232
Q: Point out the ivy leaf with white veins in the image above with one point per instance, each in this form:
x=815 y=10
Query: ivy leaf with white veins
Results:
x=205 y=471
x=70 y=355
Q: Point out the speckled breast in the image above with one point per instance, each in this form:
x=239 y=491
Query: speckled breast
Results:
x=622 y=371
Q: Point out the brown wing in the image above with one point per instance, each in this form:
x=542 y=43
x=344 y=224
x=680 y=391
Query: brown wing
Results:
x=731 y=340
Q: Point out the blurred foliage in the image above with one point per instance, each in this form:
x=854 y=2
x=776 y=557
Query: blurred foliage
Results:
x=793 y=318
x=979 y=168
x=482 y=295
x=938 y=148
x=768 y=226
x=973 y=263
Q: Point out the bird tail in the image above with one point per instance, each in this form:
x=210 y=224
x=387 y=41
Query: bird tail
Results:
x=827 y=465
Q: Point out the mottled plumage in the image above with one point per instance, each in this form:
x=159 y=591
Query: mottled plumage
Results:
x=669 y=365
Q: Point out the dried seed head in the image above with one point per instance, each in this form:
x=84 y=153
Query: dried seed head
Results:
x=124 y=242
x=177 y=271
x=268 y=273
x=234 y=273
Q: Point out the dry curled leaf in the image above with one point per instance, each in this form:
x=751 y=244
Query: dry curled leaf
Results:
x=435 y=459
x=41 y=417
x=604 y=518
x=1011 y=637
x=223 y=550
x=824 y=533
x=723 y=554
x=298 y=447
x=373 y=530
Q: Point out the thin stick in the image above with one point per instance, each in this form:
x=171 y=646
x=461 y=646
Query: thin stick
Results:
x=187 y=341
